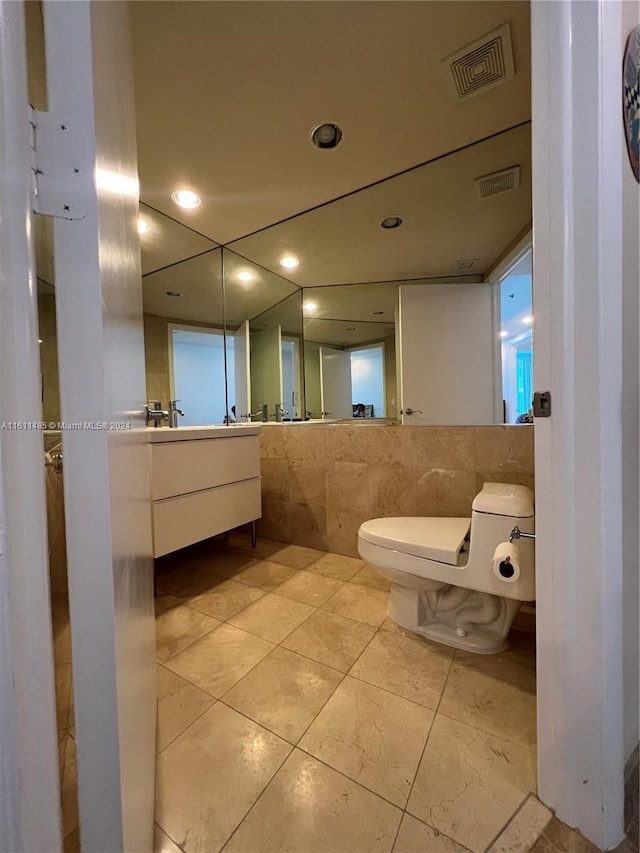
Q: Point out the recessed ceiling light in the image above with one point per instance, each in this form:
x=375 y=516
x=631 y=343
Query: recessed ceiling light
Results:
x=175 y=293
x=327 y=135
x=186 y=198
x=309 y=306
x=143 y=226
x=527 y=320
x=503 y=334
x=289 y=262
x=391 y=222
x=376 y=313
x=39 y=340
x=245 y=276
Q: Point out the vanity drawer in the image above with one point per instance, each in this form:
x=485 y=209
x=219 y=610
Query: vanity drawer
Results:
x=179 y=467
x=181 y=521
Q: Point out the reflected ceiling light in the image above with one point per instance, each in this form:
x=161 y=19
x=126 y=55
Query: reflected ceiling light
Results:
x=245 y=276
x=503 y=334
x=327 y=135
x=143 y=227
x=39 y=340
x=175 y=293
x=186 y=198
x=309 y=306
x=289 y=262
x=527 y=320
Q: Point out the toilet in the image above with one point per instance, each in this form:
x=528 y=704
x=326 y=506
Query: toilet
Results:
x=458 y=580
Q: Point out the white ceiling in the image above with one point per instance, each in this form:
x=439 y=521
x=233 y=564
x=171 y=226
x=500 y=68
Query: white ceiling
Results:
x=228 y=92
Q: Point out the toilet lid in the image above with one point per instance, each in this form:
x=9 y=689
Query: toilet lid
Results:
x=437 y=539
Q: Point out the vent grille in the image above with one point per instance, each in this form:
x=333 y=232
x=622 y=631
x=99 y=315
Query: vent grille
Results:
x=466 y=264
x=483 y=64
x=497 y=183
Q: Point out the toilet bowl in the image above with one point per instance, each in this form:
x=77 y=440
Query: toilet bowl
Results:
x=458 y=580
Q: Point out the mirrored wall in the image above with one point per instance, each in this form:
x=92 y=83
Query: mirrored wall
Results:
x=366 y=321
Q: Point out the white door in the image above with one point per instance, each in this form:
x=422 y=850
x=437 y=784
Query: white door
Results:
x=102 y=390
x=241 y=363
x=335 y=383
x=446 y=343
x=266 y=368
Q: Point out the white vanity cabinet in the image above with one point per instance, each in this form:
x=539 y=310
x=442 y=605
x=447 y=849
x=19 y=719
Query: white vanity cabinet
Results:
x=204 y=481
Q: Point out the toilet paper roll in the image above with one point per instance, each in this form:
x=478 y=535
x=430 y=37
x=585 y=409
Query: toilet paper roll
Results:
x=506 y=562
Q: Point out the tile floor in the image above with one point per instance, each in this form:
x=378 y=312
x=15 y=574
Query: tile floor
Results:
x=295 y=717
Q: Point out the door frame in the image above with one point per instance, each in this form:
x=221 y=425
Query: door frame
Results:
x=29 y=781
x=578 y=165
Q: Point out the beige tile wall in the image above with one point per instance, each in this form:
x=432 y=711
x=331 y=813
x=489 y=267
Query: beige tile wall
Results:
x=319 y=483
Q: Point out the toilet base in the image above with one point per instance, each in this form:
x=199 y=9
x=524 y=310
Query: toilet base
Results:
x=465 y=619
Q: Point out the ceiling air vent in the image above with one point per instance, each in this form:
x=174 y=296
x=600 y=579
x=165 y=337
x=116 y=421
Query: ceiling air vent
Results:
x=466 y=264
x=482 y=65
x=498 y=182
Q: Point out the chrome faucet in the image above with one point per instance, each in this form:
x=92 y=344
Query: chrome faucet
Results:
x=174 y=411
x=263 y=413
x=281 y=412
x=155 y=414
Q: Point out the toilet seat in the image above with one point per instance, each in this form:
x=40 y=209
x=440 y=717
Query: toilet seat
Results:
x=438 y=539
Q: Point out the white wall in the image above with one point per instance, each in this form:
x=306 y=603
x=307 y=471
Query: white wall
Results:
x=367 y=378
x=630 y=355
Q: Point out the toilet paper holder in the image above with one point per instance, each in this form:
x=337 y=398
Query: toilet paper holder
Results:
x=516 y=533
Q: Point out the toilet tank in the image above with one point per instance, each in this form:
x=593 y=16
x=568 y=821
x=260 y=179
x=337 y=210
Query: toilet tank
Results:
x=504 y=499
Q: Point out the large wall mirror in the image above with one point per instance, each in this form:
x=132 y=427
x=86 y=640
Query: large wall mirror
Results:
x=369 y=321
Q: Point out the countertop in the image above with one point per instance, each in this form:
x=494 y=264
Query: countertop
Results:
x=189 y=433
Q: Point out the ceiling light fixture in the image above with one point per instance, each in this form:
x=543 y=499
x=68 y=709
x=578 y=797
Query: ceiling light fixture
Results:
x=391 y=222
x=327 y=135
x=309 y=306
x=245 y=276
x=143 y=227
x=289 y=262
x=175 y=293
x=186 y=199
x=503 y=334
x=527 y=320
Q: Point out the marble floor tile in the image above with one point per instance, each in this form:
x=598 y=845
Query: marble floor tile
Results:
x=371 y=736
x=337 y=566
x=309 y=588
x=225 y=564
x=524 y=829
x=296 y=556
x=265 y=575
x=332 y=640
x=560 y=838
x=162 y=843
x=410 y=667
x=469 y=783
x=179 y=704
x=184 y=582
x=63 y=694
x=264 y=547
x=220 y=659
x=71 y=843
x=69 y=789
x=284 y=693
x=272 y=617
x=210 y=776
x=226 y=599
x=368 y=576
x=179 y=627
x=309 y=808
x=360 y=603
x=417 y=837
x=493 y=693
